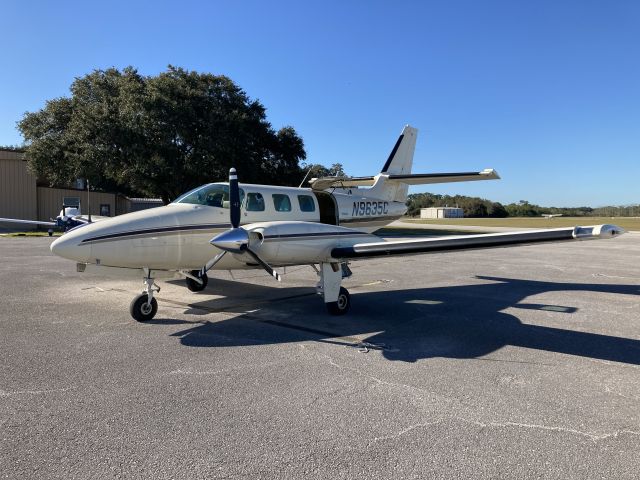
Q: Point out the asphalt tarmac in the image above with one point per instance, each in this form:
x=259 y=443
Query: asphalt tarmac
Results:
x=508 y=363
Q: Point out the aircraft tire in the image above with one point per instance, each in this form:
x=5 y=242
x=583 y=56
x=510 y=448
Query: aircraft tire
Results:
x=195 y=286
x=342 y=305
x=140 y=310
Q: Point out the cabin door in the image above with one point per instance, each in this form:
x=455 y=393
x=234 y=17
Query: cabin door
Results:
x=328 y=208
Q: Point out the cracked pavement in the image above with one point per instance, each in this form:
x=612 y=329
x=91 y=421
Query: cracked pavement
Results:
x=507 y=363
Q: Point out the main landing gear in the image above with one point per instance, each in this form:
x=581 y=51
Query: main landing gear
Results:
x=144 y=307
x=192 y=280
x=336 y=298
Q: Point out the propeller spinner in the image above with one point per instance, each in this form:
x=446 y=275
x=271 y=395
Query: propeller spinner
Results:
x=236 y=240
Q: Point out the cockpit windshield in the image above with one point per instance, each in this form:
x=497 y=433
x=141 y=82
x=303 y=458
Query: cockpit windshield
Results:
x=211 y=195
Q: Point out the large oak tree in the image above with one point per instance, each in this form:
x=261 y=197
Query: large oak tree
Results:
x=158 y=135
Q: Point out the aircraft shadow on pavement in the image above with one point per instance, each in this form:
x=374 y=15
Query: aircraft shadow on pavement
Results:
x=465 y=321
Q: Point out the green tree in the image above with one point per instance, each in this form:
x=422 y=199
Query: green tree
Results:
x=158 y=135
x=337 y=170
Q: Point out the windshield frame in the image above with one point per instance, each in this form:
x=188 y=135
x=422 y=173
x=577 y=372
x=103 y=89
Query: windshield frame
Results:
x=200 y=195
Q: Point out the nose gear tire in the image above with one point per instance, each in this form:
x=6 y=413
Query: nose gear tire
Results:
x=141 y=310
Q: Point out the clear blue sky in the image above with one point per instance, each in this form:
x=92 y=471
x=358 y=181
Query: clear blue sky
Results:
x=546 y=92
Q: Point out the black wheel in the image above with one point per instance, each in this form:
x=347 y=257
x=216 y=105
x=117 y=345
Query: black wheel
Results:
x=195 y=286
x=141 y=310
x=50 y=232
x=342 y=305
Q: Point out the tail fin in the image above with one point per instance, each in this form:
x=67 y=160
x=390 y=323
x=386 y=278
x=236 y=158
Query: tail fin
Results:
x=392 y=183
x=401 y=158
x=399 y=162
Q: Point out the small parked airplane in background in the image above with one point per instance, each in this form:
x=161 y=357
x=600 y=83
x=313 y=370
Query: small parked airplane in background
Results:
x=261 y=226
x=551 y=215
x=68 y=218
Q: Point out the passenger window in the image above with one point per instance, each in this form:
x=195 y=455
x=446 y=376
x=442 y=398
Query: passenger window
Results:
x=281 y=202
x=255 y=202
x=306 y=203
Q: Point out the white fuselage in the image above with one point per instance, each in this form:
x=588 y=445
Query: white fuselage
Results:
x=176 y=236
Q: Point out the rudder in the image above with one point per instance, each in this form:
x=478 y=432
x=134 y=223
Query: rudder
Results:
x=400 y=161
x=401 y=157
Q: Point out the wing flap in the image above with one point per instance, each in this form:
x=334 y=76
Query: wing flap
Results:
x=473 y=242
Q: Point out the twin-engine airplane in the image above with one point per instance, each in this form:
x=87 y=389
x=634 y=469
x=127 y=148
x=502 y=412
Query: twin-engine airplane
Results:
x=324 y=226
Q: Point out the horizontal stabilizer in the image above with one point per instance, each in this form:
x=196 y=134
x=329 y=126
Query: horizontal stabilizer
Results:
x=408 y=179
x=324 y=183
x=471 y=242
x=426 y=178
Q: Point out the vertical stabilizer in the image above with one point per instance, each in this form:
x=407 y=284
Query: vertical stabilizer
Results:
x=399 y=162
x=401 y=157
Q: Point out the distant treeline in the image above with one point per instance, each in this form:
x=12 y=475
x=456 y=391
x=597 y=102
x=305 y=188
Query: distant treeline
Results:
x=480 y=207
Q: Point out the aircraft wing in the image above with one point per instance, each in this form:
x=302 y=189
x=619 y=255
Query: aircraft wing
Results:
x=28 y=222
x=85 y=218
x=327 y=182
x=471 y=242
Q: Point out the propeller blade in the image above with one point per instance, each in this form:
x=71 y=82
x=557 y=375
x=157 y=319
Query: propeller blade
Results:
x=264 y=264
x=213 y=261
x=234 y=199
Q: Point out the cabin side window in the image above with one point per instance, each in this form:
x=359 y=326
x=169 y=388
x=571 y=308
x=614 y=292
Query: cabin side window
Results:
x=281 y=202
x=306 y=203
x=255 y=202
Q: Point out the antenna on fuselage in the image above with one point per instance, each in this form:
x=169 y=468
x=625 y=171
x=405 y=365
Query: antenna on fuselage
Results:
x=305 y=177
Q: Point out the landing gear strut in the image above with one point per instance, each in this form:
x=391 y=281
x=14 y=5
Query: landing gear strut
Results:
x=144 y=307
x=336 y=298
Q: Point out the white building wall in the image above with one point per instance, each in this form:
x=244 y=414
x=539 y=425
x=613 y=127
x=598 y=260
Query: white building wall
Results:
x=441 y=212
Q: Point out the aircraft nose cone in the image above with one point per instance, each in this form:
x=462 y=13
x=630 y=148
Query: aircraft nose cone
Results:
x=70 y=248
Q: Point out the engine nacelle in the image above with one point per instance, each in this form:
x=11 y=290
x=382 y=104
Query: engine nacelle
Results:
x=283 y=243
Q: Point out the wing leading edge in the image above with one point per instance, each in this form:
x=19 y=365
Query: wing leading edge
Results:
x=472 y=242
x=27 y=222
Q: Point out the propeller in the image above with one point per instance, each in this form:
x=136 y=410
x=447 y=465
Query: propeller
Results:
x=234 y=199
x=236 y=240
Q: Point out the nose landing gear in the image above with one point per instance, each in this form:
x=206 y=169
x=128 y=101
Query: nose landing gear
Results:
x=144 y=307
